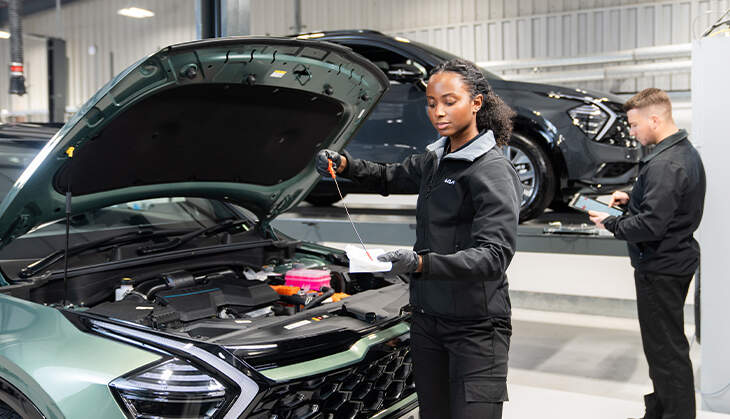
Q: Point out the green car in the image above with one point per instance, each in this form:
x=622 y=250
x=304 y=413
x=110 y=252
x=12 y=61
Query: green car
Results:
x=140 y=276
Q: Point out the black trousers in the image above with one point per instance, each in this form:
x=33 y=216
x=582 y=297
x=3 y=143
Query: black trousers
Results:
x=460 y=366
x=660 y=300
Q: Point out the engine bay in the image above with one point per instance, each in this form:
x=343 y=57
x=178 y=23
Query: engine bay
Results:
x=176 y=299
x=209 y=292
x=180 y=297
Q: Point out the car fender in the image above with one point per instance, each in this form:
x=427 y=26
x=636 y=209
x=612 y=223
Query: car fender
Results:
x=537 y=127
x=63 y=371
x=531 y=122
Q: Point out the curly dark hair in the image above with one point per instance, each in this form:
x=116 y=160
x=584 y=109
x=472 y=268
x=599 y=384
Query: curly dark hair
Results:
x=494 y=114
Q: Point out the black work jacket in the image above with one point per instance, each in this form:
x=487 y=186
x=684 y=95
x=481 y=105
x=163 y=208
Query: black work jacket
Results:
x=467 y=214
x=665 y=209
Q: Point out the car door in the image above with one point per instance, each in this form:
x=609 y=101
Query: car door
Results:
x=399 y=125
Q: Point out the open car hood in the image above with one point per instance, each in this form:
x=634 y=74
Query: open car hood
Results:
x=236 y=119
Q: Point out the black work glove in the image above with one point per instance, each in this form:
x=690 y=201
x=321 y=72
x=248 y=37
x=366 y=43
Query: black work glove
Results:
x=322 y=164
x=404 y=260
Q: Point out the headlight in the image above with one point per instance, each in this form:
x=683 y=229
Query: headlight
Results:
x=240 y=386
x=171 y=389
x=589 y=118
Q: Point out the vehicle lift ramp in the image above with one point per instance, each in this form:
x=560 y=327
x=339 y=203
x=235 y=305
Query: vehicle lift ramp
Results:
x=567 y=233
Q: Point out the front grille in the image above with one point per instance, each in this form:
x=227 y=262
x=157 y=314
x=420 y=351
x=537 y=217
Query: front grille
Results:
x=382 y=379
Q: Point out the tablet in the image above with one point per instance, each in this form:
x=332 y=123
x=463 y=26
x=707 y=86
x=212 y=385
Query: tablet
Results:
x=585 y=204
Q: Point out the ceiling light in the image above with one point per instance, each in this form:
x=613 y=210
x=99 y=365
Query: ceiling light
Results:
x=4 y=35
x=135 y=12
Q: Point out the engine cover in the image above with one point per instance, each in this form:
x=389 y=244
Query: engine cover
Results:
x=193 y=303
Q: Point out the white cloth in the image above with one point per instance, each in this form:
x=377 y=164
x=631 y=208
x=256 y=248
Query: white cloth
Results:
x=360 y=262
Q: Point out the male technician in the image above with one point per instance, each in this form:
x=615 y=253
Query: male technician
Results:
x=664 y=209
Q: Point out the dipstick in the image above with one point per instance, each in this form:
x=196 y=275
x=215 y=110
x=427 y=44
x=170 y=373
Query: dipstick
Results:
x=334 y=177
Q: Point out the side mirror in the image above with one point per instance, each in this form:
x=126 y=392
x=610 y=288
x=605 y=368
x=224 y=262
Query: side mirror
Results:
x=405 y=73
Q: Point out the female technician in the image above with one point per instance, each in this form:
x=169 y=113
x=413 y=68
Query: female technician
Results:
x=467 y=214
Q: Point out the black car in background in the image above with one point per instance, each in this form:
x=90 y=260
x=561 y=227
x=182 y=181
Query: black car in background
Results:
x=565 y=140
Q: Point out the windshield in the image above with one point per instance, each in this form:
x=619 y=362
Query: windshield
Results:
x=449 y=56
x=160 y=213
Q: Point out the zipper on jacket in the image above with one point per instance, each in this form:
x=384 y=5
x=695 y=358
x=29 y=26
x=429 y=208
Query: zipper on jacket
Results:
x=435 y=178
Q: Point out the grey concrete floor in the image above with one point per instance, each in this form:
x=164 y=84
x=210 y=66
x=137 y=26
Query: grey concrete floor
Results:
x=591 y=350
x=582 y=365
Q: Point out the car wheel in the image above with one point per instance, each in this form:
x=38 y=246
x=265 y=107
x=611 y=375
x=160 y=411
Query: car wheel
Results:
x=536 y=174
x=323 y=200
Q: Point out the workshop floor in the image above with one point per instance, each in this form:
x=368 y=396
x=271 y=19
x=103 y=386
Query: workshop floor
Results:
x=583 y=366
x=570 y=366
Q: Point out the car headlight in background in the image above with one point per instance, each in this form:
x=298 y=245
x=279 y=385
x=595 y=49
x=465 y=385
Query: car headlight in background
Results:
x=590 y=119
x=600 y=119
x=171 y=389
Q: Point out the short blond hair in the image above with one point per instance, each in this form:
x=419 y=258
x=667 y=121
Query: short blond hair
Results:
x=649 y=97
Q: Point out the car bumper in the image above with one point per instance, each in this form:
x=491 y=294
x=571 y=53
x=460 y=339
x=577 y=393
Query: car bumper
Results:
x=614 y=165
x=592 y=163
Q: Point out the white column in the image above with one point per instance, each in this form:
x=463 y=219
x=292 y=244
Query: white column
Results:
x=711 y=133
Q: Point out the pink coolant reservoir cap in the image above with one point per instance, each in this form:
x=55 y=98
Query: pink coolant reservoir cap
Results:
x=313 y=279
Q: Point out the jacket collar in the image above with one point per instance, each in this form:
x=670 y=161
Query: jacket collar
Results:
x=665 y=144
x=470 y=152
